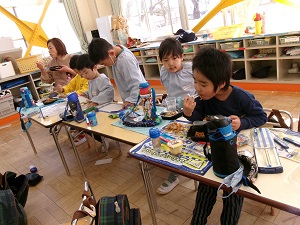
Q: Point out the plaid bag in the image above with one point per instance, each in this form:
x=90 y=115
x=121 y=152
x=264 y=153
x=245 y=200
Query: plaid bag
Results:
x=116 y=211
x=107 y=211
x=11 y=212
x=18 y=185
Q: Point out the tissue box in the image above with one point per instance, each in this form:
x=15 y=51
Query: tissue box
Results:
x=6 y=70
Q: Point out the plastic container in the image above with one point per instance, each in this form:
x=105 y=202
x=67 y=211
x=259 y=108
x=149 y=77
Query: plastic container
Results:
x=6 y=105
x=231 y=45
x=179 y=103
x=92 y=119
x=6 y=70
x=171 y=103
x=28 y=64
x=154 y=134
x=175 y=146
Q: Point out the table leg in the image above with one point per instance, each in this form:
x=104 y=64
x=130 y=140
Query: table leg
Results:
x=30 y=140
x=75 y=150
x=119 y=147
x=149 y=190
x=55 y=131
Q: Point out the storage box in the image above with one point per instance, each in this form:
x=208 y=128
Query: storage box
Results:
x=233 y=31
x=6 y=70
x=6 y=105
x=28 y=64
x=289 y=40
x=231 y=45
x=260 y=42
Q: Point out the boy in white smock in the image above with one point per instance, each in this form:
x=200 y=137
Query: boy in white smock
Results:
x=177 y=78
x=125 y=67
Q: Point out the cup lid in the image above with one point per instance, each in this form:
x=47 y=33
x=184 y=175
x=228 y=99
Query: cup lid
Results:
x=154 y=132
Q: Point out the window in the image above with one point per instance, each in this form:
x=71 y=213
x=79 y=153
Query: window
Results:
x=55 y=24
x=152 y=19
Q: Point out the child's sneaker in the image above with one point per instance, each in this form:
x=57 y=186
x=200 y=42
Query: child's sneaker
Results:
x=79 y=140
x=167 y=186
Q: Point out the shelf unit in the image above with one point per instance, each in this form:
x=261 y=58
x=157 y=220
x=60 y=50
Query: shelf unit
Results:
x=247 y=48
x=14 y=83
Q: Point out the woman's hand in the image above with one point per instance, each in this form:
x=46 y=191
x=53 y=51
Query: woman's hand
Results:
x=40 y=65
x=235 y=122
x=188 y=106
x=59 y=88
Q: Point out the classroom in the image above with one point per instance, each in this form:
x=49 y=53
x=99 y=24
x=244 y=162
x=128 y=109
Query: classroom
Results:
x=166 y=103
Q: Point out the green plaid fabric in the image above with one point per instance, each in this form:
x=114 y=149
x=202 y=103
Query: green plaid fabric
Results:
x=11 y=212
x=135 y=217
x=107 y=214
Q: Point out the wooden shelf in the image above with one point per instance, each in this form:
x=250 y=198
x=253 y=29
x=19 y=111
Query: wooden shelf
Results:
x=278 y=72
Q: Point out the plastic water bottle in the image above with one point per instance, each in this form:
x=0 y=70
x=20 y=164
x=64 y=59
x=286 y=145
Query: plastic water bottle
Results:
x=154 y=134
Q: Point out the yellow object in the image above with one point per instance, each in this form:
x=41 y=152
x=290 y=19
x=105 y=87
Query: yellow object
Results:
x=223 y=4
x=28 y=64
x=78 y=84
x=175 y=146
x=292 y=3
x=33 y=33
x=226 y=3
x=258 y=25
x=232 y=31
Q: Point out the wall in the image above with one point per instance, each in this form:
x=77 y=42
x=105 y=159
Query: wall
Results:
x=89 y=10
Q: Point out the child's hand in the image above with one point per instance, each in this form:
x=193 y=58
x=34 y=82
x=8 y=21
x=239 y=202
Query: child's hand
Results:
x=235 y=122
x=126 y=104
x=188 y=105
x=83 y=95
x=59 y=88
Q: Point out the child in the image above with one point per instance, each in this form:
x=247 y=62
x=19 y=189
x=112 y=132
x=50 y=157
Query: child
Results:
x=212 y=70
x=125 y=67
x=100 y=89
x=177 y=77
x=78 y=83
x=60 y=57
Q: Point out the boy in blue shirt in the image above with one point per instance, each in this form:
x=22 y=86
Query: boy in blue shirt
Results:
x=212 y=71
x=177 y=78
x=125 y=67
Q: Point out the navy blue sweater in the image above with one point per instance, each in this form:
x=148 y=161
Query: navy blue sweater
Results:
x=240 y=103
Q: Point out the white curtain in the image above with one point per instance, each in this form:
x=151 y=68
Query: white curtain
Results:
x=116 y=7
x=73 y=15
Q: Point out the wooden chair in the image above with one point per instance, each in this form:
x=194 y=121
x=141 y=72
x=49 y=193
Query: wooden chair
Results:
x=279 y=118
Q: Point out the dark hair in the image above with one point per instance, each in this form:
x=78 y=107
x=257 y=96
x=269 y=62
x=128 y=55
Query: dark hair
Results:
x=59 y=45
x=84 y=61
x=98 y=49
x=73 y=61
x=170 y=46
x=215 y=65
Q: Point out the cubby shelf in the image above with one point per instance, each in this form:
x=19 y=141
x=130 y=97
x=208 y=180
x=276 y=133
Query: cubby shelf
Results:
x=249 y=46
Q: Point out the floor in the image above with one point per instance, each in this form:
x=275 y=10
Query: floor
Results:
x=54 y=200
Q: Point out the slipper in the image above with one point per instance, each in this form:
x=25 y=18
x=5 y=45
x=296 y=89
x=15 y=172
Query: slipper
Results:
x=167 y=186
x=80 y=140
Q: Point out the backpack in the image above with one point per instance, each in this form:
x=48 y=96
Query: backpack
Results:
x=18 y=185
x=13 y=197
x=109 y=210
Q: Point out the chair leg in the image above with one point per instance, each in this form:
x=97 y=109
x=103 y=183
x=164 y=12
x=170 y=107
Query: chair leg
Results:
x=272 y=213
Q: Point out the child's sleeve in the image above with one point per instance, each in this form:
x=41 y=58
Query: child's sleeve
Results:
x=106 y=91
x=70 y=87
x=133 y=76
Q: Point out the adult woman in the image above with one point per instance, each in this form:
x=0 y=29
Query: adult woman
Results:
x=60 y=58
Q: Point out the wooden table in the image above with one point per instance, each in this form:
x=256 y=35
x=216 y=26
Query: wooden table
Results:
x=276 y=189
x=105 y=129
